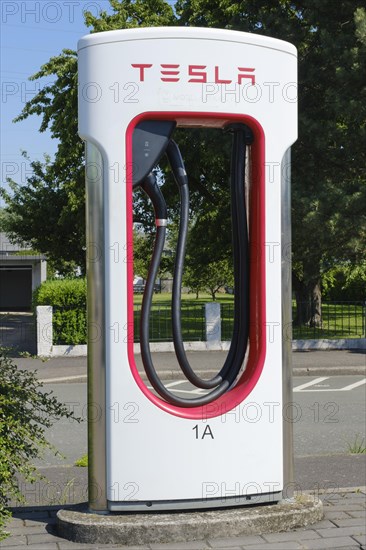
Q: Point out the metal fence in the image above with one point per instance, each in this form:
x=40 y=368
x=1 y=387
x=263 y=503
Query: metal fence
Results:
x=337 y=320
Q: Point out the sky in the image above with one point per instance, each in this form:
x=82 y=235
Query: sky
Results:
x=31 y=33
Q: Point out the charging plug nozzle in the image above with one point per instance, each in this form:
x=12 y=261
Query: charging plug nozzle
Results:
x=176 y=163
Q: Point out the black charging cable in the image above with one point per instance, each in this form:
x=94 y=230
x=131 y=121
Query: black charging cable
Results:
x=242 y=136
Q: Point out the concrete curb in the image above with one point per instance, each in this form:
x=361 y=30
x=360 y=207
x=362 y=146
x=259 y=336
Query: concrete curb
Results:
x=297 y=345
x=329 y=371
x=136 y=529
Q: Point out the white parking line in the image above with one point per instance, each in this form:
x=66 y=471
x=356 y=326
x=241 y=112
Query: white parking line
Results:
x=304 y=387
x=307 y=387
x=176 y=383
x=197 y=391
x=311 y=383
x=355 y=385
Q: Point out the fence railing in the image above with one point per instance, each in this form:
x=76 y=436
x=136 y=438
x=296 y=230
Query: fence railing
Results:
x=213 y=322
x=337 y=320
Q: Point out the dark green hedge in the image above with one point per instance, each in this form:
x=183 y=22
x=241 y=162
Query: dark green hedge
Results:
x=68 y=299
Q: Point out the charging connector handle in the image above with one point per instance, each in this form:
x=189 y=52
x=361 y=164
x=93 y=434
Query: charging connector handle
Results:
x=149 y=140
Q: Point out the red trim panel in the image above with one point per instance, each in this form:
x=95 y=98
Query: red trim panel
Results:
x=257 y=331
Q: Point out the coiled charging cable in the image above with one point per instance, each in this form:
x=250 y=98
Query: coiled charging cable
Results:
x=223 y=381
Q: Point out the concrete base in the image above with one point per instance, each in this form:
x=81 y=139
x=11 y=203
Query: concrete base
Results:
x=136 y=529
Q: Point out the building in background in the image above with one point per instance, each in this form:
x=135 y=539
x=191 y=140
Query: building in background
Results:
x=20 y=273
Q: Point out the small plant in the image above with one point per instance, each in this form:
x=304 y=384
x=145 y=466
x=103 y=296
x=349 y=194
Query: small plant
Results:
x=358 y=446
x=25 y=411
x=82 y=462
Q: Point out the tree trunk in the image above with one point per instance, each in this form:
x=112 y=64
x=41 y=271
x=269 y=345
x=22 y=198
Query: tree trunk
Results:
x=213 y=293
x=308 y=304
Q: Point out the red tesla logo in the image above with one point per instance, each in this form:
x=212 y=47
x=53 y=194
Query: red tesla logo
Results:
x=195 y=73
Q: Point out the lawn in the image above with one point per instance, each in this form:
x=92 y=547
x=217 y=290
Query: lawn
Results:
x=192 y=315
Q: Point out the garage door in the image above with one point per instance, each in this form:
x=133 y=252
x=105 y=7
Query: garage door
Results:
x=15 y=288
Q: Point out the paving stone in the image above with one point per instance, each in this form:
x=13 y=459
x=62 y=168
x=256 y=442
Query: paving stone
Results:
x=35 y=523
x=324 y=524
x=14 y=522
x=274 y=546
x=359 y=498
x=192 y=545
x=358 y=514
x=67 y=545
x=40 y=530
x=13 y=541
x=339 y=515
x=361 y=539
x=292 y=535
x=42 y=547
x=341 y=532
x=345 y=508
x=227 y=542
x=349 y=522
x=43 y=538
x=324 y=544
x=15 y=532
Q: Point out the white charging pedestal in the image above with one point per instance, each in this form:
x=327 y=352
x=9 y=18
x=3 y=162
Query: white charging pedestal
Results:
x=145 y=454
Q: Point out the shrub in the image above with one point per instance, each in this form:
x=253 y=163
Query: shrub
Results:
x=25 y=411
x=68 y=299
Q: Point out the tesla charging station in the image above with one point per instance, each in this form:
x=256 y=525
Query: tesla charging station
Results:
x=231 y=443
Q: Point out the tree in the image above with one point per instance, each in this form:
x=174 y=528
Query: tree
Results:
x=50 y=214
x=329 y=201
x=328 y=181
x=47 y=215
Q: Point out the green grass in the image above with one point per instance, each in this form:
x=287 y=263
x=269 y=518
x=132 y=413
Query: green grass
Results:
x=357 y=446
x=192 y=316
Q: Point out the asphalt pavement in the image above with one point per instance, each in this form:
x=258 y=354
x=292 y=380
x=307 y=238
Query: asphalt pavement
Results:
x=305 y=363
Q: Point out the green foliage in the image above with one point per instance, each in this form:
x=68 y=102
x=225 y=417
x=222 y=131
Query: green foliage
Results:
x=25 y=411
x=5 y=515
x=40 y=214
x=129 y=14
x=49 y=212
x=345 y=282
x=68 y=298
